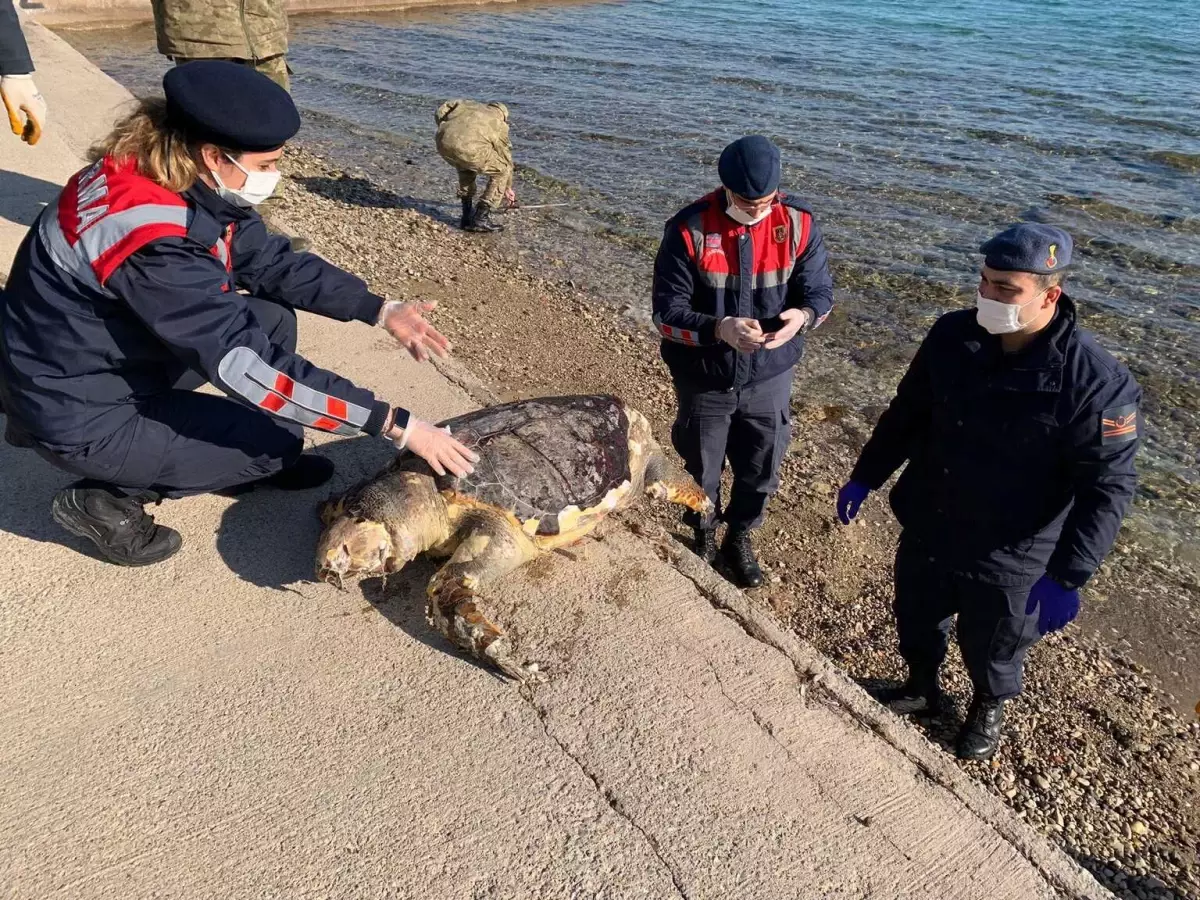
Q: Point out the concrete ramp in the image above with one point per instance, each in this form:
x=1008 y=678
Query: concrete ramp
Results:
x=219 y=726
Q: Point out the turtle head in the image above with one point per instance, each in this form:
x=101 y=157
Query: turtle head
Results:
x=355 y=546
x=355 y=543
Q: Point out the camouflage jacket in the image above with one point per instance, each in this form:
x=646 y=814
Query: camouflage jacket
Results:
x=466 y=126
x=235 y=29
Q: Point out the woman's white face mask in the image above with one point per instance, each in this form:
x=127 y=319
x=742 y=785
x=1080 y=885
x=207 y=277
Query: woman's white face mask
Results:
x=258 y=187
x=1000 y=318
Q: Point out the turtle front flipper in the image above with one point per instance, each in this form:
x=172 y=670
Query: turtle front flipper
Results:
x=490 y=548
x=663 y=482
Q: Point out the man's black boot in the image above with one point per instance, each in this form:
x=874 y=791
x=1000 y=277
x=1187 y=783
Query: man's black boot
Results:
x=117 y=525
x=739 y=557
x=980 y=735
x=468 y=214
x=706 y=544
x=920 y=695
x=482 y=220
x=307 y=472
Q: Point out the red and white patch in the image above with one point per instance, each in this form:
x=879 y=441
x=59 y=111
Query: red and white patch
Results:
x=680 y=335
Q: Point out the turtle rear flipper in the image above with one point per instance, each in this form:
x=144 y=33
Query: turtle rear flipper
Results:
x=664 y=482
x=490 y=548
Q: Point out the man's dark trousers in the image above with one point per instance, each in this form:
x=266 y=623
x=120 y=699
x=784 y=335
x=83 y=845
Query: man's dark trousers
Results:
x=994 y=631
x=751 y=427
x=182 y=442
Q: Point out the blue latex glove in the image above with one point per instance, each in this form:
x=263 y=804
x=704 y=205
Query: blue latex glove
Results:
x=1056 y=605
x=849 y=499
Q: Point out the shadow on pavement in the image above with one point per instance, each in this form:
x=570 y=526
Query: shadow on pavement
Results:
x=401 y=600
x=23 y=196
x=268 y=537
x=29 y=485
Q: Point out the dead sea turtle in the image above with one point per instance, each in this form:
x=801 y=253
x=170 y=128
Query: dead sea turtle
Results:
x=549 y=470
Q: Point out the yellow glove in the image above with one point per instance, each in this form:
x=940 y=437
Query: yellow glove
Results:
x=25 y=106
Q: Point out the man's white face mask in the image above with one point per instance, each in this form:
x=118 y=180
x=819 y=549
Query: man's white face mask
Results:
x=1000 y=318
x=739 y=215
x=258 y=187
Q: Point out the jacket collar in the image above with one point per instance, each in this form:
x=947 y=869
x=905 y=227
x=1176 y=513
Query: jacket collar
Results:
x=205 y=198
x=1039 y=366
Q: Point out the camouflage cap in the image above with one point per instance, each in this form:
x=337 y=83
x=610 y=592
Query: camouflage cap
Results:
x=229 y=105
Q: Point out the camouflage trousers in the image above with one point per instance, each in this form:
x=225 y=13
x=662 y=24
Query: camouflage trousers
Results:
x=499 y=173
x=274 y=67
x=493 y=195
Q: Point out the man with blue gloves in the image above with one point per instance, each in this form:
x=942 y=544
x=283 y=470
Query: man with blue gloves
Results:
x=1019 y=432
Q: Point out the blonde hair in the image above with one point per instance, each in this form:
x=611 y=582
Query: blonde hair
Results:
x=162 y=153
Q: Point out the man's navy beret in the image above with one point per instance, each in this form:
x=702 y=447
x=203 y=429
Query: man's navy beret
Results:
x=1029 y=247
x=750 y=167
x=230 y=105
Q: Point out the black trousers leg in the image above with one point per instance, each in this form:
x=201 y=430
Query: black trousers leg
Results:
x=759 y=435
x=699 y=435
x=924 y=606
x=995 y=635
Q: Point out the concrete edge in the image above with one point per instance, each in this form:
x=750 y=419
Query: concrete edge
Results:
x=100 y=14
x=815 y=671
x=458 y=374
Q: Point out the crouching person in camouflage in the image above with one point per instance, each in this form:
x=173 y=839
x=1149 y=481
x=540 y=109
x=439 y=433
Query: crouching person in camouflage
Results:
x=473 y=137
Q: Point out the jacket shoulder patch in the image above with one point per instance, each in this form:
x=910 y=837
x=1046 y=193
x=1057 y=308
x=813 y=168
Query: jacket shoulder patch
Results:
x=1119 y=424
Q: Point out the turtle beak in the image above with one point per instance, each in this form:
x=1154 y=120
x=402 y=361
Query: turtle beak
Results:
x=335 y=567
x=352 y=547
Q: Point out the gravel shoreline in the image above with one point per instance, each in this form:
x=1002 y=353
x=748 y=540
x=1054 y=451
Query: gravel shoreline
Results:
x=1095 y=757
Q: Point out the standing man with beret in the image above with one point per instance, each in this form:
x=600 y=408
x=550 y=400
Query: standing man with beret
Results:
x=740 y=276
x=252 y=33
x=124 y=297
x=1019 y=431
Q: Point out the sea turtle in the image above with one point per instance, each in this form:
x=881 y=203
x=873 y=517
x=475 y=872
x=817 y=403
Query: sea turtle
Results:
x=550 y=468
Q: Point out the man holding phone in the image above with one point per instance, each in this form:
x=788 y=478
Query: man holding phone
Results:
x=740 y=276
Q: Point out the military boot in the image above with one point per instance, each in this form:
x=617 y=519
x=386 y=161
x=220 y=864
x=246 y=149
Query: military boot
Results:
x=482 y=220
x=920 y=695
x=739 y=557
x=117 y=525
x=980 y=735
x=706 y=544
x=468 y=214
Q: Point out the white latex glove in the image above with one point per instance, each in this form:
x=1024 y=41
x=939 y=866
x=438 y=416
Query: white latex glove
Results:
x=406 y=323
x=25 y=107
x=743 y=335
x=436 y=446
x=794 y=321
